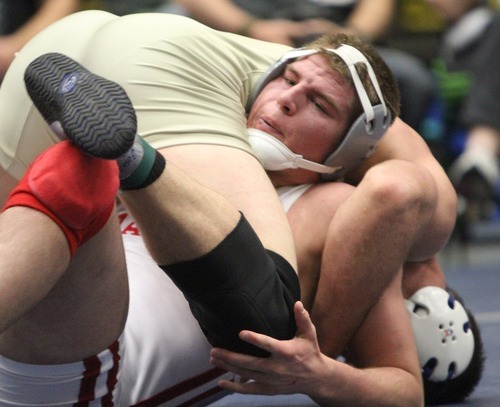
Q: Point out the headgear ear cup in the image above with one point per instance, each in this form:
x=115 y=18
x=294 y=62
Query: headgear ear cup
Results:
x=366 y=131
x=360 y=142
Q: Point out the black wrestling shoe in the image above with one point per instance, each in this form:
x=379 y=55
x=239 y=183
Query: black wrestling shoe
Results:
x=94 y=113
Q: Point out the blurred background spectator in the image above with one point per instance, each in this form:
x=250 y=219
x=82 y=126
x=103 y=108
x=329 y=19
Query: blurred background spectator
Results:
x=22 y=19
x=417 y=28
x=124 y=7
x=466 y=117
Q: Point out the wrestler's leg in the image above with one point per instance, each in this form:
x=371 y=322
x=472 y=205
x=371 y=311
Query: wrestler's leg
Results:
x=56 y=185
x=183 y=219
x=64 y=92
x=228 y=293
x=85 y=306
x=23 y=132
x=51 y=212
x=191 y=228
x=26 y=237
x=188 y=226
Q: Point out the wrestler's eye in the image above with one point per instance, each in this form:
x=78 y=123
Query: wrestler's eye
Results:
x=318 y=105
x=289 y=81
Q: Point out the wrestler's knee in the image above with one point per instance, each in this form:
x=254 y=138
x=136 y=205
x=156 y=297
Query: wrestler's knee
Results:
x=75 y=190
x=239 y=285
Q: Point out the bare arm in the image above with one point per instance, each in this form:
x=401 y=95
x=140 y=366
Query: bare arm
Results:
x=403 y=143
x=403 y=206
x=485 y=137
x=372 y=18
x=220 y=14
x=298 y=366
x=417 y=275
x=49 y=12
x=224 y=15
x=385 y=343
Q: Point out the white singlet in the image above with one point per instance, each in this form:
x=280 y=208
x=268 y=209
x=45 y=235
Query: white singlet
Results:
x=161 y=359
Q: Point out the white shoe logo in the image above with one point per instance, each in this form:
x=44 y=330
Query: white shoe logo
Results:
x=69 y=82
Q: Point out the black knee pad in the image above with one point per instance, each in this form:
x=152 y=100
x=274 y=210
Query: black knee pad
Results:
x=239 y=285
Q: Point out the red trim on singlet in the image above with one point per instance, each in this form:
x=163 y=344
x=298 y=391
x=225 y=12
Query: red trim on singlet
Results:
x=112 y=374
x=87 y=385
x=92 y=371
x=185 y=387
x=209 y=394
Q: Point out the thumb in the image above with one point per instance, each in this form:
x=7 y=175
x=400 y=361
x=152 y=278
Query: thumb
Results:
x=305 y=326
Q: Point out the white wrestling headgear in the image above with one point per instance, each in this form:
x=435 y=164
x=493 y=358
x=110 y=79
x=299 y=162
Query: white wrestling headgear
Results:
x=361 y=139
x=441 y=327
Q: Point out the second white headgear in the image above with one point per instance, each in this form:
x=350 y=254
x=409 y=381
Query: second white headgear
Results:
x=442 y=333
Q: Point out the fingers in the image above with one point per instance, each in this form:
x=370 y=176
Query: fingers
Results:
x=290 y=362
x=277 y=349
x=305 y=326
x=305 y=329
x=262 y=341
x=235 y=366
x=247 y=388
x=242 y=364
x=246 y=365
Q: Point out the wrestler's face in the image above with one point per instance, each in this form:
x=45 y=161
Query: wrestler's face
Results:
x=307 y=108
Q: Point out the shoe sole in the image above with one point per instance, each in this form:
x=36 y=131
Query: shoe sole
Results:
x=95 y=113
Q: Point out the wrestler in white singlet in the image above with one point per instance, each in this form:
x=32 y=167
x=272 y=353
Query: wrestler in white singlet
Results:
x=152 y=57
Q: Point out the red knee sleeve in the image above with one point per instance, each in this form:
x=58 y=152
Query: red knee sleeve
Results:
x=76 y=190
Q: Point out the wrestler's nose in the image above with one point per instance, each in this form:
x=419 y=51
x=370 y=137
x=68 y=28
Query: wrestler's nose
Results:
x=289 y=101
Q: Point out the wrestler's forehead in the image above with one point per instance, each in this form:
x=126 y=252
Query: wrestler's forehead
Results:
x=318 y=73
x=316 y=65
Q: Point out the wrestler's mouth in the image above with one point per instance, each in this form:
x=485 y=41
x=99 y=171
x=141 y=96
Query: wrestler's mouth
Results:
x=269 y=126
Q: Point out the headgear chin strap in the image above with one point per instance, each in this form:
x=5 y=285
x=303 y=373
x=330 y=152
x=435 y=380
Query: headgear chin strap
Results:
x=364 y=134
x=442 y=332
x=276 y=156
